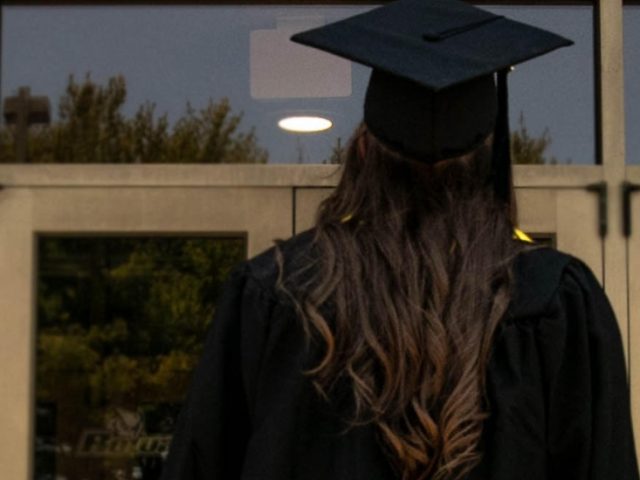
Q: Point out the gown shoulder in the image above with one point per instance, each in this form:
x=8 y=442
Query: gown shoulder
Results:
x=557 y=380
x=556 y=385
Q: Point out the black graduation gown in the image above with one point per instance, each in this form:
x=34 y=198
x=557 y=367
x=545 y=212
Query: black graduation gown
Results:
x=556 y=381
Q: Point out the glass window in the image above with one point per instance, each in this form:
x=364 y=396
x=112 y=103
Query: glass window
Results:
x=211 y=83
x=632 y=82
x=177 y=83
x=552 y=98
x=120 y=326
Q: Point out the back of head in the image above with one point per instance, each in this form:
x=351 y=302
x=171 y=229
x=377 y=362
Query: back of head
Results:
x=414 y=265
x=415 y=244
x=427 y=124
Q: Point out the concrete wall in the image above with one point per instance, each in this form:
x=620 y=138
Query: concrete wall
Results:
x=263 y=202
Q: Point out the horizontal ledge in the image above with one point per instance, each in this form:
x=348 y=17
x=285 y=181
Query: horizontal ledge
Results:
x=185 y=176
x=558 y=176
x=154 y=175
x=633 y=173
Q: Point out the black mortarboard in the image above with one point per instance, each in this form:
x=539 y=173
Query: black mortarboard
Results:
x=432 y=93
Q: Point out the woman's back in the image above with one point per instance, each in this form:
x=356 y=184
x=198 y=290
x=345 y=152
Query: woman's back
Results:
x=555 y=383
x=410 y=335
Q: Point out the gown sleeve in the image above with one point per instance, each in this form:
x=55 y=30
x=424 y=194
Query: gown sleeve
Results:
x=214 y=424
x=589 y=431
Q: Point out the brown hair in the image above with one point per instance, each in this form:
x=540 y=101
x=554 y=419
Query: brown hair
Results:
x=414 y=265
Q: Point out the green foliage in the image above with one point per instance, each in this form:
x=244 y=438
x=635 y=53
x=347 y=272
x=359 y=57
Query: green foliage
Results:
x=92 y=129
x=337 y=153
x=122 y=320
x=525 y=148
x=529 y=150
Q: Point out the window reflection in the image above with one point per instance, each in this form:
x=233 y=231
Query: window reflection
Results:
x=553 y=114
x=215 y=55
x=632 y=82
x=209 y=84
x=120 y=326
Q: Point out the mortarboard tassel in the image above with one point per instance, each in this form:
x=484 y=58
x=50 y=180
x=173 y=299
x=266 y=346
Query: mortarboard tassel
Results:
x=502 y=143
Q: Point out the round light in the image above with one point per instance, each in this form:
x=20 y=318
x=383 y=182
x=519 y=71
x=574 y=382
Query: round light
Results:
x=305 y=124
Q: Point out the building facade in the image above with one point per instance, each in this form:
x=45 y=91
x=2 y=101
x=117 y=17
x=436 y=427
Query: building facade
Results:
x=119 y=219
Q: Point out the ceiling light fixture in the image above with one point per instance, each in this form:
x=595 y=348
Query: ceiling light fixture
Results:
x=305 y=124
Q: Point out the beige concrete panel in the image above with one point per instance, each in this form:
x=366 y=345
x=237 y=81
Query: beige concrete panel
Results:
x=245 y=175
x=633 y=173
x=558 y=176
x=17 y=339
x=536 y=210
x=264 y=213
x=612 y=82
x=177 y=175
x=577 y=227
x=307 y=202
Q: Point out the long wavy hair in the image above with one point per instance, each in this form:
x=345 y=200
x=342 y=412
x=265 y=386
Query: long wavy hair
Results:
x=413 y=264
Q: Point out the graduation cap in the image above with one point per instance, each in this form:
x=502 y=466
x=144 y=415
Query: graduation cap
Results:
x=432 y=93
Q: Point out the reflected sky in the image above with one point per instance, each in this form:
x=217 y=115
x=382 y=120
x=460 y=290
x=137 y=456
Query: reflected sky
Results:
x=171 y=55
x=632 y=82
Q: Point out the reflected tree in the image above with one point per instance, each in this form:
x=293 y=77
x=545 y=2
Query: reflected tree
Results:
x=527 y=149
x=91 y=128
x=338 y=150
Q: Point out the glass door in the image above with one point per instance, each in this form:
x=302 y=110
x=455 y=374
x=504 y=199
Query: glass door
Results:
x=565 y=216
x=108 y=290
